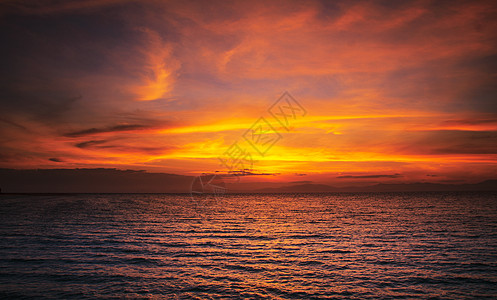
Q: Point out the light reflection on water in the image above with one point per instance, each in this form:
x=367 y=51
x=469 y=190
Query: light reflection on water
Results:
x=303 y=246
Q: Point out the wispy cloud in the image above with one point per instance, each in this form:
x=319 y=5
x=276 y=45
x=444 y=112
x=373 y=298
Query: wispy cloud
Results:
x=371 y=176
x=116 y=128
x=405 y=88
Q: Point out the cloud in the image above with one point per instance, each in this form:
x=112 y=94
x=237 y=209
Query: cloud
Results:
x=46 y=7
x=390 y=88
x=249 y=173
x=450 y=142
x=116 y=128
x=472 y=121
x=14 y=124
x=119 y=146
x=370 y=176
x=88 y=144
x=158 y=70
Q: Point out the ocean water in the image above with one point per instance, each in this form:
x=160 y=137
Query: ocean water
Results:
x=257 y=246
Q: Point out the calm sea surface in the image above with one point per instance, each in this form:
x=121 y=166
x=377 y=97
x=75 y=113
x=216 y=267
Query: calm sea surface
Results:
x=303 y=246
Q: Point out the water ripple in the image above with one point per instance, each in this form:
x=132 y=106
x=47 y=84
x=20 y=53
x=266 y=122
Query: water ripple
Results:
x=305 y=246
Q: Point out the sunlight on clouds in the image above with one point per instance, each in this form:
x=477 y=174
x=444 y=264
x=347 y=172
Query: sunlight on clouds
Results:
x=171 y=85
x=157 y=83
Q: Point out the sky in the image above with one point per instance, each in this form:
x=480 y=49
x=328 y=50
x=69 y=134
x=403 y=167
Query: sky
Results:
x=336 y=92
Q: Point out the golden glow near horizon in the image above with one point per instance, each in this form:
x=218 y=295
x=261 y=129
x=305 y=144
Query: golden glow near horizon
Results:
x=401 y=93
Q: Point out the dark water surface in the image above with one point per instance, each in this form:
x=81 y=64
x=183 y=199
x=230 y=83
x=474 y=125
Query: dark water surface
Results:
x=305 y=246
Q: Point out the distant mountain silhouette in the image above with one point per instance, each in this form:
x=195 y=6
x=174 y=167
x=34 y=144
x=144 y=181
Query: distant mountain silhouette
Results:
x=91 y=181
x=488 y=185
x=300 y=188
x=132 y=181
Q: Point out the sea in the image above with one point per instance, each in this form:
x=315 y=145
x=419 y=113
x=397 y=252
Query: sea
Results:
x=249 y=246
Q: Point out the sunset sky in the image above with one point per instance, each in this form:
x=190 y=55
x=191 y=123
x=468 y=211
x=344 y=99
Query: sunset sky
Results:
x=389 y=91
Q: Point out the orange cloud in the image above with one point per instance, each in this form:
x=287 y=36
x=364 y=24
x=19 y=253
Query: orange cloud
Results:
x=158 y=79
x=390 y=89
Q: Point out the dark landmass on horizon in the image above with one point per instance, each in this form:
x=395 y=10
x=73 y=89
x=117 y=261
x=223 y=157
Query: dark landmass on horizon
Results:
x=106 y=180
x=488 y=185
x=91 y=181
